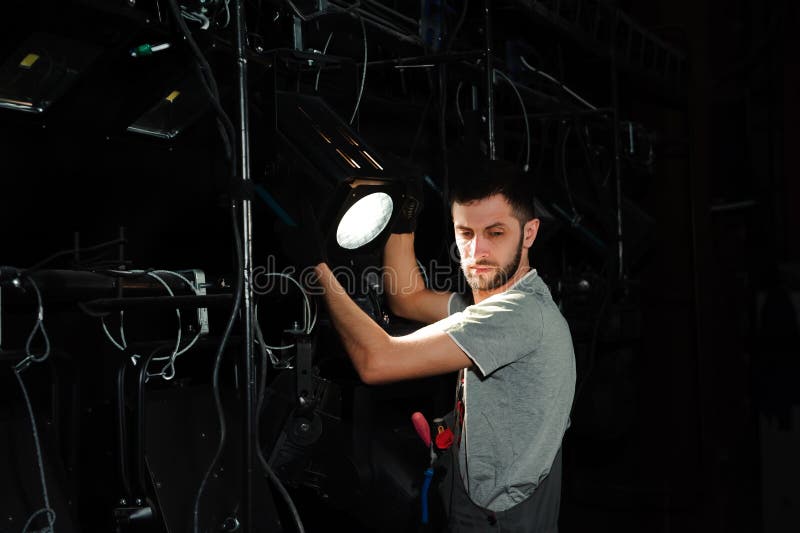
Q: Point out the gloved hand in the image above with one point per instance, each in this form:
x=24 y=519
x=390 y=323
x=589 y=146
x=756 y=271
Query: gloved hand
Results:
x=303 y=243
x=406 y=221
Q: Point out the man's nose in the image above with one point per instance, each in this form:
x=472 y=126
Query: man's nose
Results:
x=480 y=247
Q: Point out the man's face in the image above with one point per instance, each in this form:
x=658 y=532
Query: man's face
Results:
x=490 y=241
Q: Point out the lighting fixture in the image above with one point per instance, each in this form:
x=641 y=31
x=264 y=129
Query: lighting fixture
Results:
x=41 y=70
x=356 y=191
x=181 y=104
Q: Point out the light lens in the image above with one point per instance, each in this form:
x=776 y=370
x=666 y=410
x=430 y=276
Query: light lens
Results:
x=364 y=221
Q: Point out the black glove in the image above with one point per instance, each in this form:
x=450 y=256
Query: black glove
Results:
x=303 y=243
x=406 y=221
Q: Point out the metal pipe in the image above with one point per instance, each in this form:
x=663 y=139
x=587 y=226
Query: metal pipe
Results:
x=602 y=113
x=122 y=433
x=617 y=166
x=250 y=396
x=433 y=59
x=392 y=11
x=385 y=27
x=487 y=17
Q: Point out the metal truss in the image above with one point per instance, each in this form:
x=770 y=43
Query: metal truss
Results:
x=604 y=29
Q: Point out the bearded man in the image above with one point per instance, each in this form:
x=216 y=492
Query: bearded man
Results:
x=507 y=339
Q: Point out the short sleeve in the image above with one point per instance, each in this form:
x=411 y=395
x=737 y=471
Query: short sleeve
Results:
x=457 y=302
x=497 y=331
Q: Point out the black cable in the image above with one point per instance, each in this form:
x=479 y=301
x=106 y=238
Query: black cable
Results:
x=218 y=358
x=39 y=326
x=262 y=388
x=460 y=22
x=421 y=126
x=122 y=429
x=542 y=147
x=372 y=295
x=140 y=418
x=363 y=71
x=324 y=51
x=392 y=12
x=321 y=13
x=267 y=469
x=562 y=166
x=207 y=75
x=31 y=518
x=51 y=514
x=513 y=86
x=227 y=130
x=595 y=180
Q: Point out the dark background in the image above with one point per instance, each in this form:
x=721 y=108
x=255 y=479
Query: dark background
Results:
x=686 y=416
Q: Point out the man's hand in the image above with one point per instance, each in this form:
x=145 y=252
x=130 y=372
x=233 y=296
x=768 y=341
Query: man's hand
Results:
x=406 y=221
x=303 y=243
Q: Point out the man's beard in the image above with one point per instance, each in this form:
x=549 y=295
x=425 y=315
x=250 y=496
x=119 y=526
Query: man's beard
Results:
x=500 y=277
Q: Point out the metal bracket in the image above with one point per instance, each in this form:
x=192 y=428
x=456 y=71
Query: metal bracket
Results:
x=305 y=382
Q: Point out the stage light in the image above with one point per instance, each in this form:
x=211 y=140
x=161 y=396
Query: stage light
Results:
x=41 y=70
x=356 y=191
x=183 y=102
x=357 y=217
x=364 y=220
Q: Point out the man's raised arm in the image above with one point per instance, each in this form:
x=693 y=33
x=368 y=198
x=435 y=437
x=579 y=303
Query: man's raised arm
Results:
x=405 y=288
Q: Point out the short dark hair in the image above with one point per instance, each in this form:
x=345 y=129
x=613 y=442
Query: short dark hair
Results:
x=475 y=177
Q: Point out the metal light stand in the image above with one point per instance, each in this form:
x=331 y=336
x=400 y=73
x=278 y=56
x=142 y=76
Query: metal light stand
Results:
x=250 y=437
x=617 y=166
x=489 y=63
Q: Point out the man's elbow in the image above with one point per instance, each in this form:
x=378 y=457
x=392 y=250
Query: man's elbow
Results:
x=402 y=306
x=396 y=307
x=369 y=369
x=369 y=377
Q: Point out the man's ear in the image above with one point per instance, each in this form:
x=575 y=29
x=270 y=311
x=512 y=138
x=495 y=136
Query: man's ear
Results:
x=530 y=230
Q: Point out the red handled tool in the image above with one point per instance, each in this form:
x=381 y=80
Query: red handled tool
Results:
x=422 y=427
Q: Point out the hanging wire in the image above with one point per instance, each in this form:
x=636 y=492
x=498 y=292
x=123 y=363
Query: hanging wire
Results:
x=324 y=51
x=554 y=80
x=524 y=116
x=38 y=327
x=363 y=71
x=17 y=369
x=267 y=469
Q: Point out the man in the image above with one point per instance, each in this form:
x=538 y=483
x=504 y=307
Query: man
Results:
x=510 y=344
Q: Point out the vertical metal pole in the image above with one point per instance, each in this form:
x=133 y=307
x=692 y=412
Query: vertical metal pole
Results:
x=487 y=17
x=76 y=245
x=617 y=167
x=120 y=257
x=247 y=267
x=297 y=33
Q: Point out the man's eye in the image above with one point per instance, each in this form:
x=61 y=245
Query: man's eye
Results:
x=496 y=233
x=466 y=234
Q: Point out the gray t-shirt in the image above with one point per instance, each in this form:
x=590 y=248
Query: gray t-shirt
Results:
x=518 y=395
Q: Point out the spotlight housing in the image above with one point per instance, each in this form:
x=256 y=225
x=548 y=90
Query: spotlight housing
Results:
x=41 y=70
x=356 y=191
x=181 y=104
